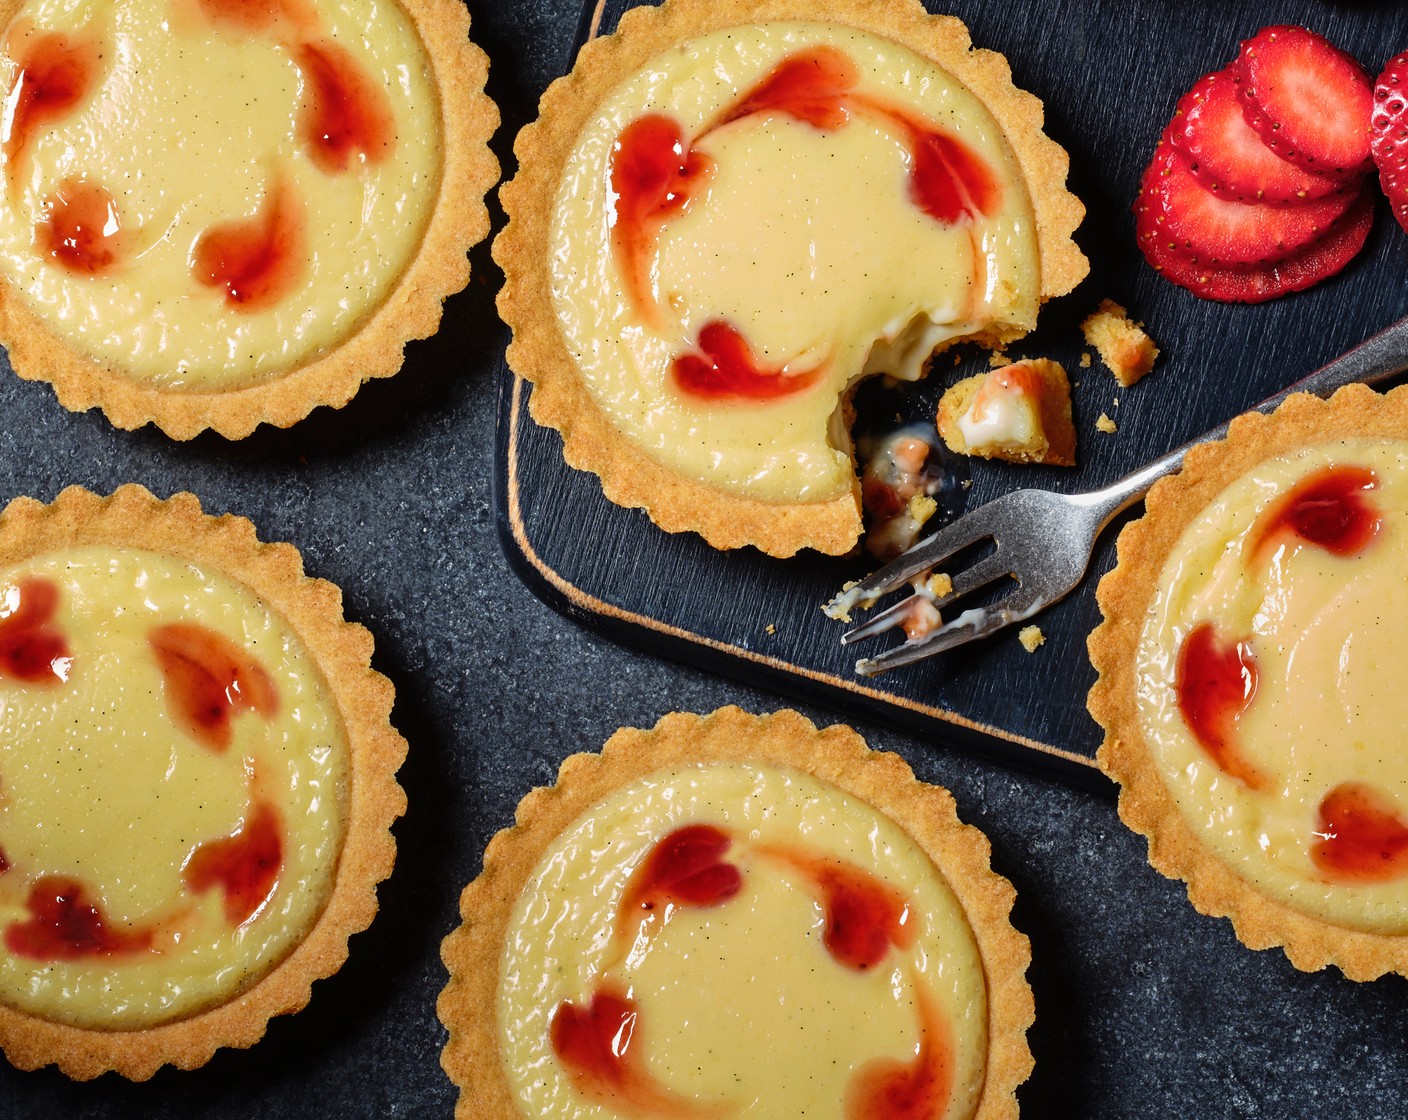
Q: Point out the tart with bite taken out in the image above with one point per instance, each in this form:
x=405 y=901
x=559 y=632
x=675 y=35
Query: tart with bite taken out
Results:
x=737 y=916
x=1250 y=679
x=196 y=783
x=217 y=213
x=728 y=214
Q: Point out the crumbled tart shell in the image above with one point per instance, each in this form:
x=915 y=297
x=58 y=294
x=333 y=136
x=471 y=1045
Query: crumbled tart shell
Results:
x=537 y=353
x=133 y=518
x=373 y=348
x=1124 y=595
x=473 y=953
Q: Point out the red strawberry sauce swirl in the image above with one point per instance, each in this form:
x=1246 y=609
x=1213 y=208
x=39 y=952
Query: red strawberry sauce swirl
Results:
x=209 y=680
x=1216 y=683
x=54 y=74
x=1363 y=837
x=1329 y=509
x=66 y=924
x=33 y=649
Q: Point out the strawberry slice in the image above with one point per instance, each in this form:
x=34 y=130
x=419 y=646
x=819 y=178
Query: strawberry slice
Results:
x=1308 y=99
x=1219 y=231
x=1389 y=131
x=1253 y=284
x=1227 y=155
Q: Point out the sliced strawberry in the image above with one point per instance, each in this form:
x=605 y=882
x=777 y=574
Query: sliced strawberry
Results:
x=1308 y=99
x=1389 y=129
x=1222 y=232
x=1256 y=284
x=1228 y=156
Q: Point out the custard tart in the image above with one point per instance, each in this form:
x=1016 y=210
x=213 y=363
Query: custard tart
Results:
x=727 y=214
x=197 y=782
x=742 y=916
x=1250 y=684
x=216 y=213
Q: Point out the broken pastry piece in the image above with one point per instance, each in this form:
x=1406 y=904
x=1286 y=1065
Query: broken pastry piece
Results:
x=1020 y=413
x=1122 y=345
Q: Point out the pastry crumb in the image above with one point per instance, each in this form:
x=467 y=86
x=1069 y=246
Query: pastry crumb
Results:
x=1122 y=345
x=998 y=359
x=940 y=584
x=771 y=628
x=1104 y=424
x=898 y=482
x=922 y=507
x=1031 y=637
x=1085 y=360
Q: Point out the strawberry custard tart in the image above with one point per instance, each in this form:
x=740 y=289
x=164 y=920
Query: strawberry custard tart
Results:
x=737 y=916
x=217 y=213
x=728 y=214
x=196 y=783
x=1249 y=682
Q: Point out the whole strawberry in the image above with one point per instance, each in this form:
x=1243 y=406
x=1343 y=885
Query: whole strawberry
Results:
x=1389 y=135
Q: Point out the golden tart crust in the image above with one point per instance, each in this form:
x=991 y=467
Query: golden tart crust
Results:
x=560 y=398
x=837 y=758
x=1126 y=595
x=371 y=346
x=370 y=798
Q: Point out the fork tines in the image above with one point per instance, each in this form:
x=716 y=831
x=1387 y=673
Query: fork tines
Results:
x=977 y=622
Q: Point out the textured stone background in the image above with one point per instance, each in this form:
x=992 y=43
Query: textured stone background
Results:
x=1144 y=1007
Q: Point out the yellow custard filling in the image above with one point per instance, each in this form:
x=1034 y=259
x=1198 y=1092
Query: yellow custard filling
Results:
x=1296 y=778
x=160 y=849
x=799 y=230
x=743 y=999
x=213 y=200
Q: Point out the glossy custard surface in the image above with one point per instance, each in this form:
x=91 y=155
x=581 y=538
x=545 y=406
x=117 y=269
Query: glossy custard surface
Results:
x=756 y=219
x=730 y=941
x=172 y=780
x=1269 y=680
x=203 y=193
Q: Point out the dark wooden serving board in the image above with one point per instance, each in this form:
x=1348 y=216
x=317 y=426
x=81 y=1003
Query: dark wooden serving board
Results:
x=1110 y=73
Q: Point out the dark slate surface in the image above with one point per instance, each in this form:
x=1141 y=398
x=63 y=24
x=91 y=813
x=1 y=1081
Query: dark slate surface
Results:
x=1144 y=1007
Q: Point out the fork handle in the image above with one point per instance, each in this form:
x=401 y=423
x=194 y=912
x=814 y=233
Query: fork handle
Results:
x=1372 y=361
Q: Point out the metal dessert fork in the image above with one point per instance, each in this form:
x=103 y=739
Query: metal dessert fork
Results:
x=1044 y=541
